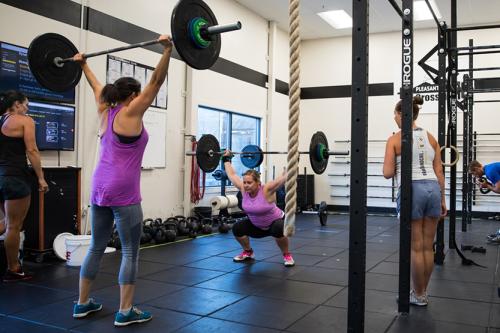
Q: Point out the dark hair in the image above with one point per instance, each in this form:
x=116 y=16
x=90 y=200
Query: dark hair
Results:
x=417 y=100
x=8 y=98
x=120 y=90
x=255 y=175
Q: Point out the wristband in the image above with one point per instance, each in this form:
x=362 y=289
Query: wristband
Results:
x=226 y=159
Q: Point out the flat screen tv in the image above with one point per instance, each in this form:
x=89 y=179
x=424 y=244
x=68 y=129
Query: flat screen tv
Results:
x=16 y=75
x=54 y=125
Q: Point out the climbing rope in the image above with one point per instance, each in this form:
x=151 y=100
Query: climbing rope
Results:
x=293 y=121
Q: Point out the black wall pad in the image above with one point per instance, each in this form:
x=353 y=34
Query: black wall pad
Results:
x=374 y=89
x=65 y=11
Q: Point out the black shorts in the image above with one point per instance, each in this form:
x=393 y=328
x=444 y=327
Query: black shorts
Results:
x=12 y=187
x=246 y=228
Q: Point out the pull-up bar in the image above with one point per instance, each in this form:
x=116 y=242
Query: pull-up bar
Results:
x=481 y=47
x=478 y=69
x=477 y=27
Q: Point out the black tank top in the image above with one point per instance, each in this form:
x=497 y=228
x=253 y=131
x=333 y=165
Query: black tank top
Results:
x=12 y=154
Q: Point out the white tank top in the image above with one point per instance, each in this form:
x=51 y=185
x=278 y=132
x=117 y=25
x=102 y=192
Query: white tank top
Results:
x=422 y=159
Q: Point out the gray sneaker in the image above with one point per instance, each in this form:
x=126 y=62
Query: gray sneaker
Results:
x=417 y=300
x=494 y=240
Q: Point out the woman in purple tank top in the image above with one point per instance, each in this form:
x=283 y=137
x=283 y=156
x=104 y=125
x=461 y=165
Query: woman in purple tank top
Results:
x=115 y=194
x=264 y=217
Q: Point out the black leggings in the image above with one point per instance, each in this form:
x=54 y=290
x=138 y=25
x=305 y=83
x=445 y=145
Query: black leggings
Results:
x=246 y=228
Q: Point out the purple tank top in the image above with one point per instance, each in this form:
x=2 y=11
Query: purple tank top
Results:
x=117 y=176
x=260 y=212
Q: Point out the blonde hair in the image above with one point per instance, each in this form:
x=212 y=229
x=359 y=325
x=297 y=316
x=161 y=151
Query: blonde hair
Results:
x=254 y=174
x=473 y=165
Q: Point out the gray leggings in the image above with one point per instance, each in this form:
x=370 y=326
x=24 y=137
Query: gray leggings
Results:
x=128 y=220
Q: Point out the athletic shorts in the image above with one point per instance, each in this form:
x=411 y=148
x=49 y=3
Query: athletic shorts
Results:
x=12 y=187
x=426 y=199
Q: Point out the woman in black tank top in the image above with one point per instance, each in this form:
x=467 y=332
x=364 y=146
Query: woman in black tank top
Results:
x=17 y=140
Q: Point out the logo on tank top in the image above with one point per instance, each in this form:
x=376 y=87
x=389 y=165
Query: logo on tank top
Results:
x=421 y=155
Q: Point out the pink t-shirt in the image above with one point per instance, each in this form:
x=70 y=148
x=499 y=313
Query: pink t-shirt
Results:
x=260 y=212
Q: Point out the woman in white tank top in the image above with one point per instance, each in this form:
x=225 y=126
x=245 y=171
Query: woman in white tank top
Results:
x=428 y=197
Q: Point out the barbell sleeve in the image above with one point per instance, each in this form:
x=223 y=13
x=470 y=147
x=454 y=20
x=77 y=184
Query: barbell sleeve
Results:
x=219 y=29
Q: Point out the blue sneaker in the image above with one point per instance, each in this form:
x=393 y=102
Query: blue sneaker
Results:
x=133 y=316
x=83 y=310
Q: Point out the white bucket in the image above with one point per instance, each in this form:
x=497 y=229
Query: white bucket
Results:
x=76 y=249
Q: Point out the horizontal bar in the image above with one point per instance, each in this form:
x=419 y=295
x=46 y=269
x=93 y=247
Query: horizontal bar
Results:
x=476 y=53
x=488 y=101
x=476 y=27
x=479 y=47
x=478 y=69
x=212 y=153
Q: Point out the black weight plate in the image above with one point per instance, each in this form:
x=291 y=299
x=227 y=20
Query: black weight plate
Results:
x=41 y=53
x=251 y=156
x=322 y=213
x=208 y=143
x=195 y=57
x=318 y=163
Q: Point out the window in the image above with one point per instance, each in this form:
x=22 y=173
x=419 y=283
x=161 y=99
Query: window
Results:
x=233 y=130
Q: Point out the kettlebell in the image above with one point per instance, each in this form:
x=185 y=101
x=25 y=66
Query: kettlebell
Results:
x=206 y=226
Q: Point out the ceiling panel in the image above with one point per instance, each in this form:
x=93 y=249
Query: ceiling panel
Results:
x=383 y=17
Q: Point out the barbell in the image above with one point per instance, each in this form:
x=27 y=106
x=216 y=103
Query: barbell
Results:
x=208 y=153
x=195 y=34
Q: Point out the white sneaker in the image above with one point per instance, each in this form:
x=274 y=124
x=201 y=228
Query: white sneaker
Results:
x=417 y=300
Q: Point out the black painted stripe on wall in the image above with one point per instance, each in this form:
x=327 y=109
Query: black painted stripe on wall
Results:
x=281 y=87
x=64 y=11
x=374 y=89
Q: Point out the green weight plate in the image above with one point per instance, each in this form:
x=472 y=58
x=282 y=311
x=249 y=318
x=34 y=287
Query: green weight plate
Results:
x=319 y=144
x=184 y=12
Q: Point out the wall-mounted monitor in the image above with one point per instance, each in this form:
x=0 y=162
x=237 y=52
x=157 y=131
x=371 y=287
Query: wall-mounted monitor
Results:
x=16 y=75
x=54 y=125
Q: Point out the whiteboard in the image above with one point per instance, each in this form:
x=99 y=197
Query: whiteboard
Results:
x=155 y=122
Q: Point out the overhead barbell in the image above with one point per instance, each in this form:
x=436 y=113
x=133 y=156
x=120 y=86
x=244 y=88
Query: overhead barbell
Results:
x=195 y=34
x=208 y=153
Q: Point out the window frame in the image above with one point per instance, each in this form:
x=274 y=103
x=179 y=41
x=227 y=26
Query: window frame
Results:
x=230 y=114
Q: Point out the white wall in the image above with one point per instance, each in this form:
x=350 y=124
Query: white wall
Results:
x=327 y=62
x=164 y=191
x=259 y=46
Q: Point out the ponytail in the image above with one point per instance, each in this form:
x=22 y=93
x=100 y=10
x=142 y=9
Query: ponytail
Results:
x=120 y=90
x=417 y=101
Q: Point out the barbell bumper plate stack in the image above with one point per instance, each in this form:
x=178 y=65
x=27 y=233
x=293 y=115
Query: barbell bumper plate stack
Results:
x=195 y=27
x=318 y=162
x=41 y=54
x=208 y=143
x=254 y=158
x=198 y=58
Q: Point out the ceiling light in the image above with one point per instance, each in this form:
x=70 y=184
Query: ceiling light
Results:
x=338 y=19
x=421 y=11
